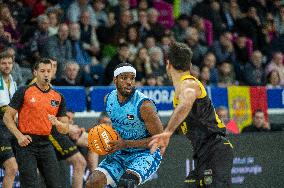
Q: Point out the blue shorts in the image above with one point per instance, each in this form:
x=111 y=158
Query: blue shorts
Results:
x=140 y=162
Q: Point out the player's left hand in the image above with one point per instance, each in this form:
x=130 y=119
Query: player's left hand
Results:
x=116 y=145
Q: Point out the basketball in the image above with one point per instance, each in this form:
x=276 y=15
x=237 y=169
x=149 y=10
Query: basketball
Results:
x=99 y=137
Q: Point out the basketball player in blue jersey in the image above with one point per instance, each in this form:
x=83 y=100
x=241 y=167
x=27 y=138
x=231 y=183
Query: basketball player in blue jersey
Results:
x=135 y=119
x=196 y=116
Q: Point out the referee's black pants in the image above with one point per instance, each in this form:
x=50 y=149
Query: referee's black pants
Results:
x=39 y=154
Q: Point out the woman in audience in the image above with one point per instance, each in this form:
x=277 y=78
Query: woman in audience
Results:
x=273 y=80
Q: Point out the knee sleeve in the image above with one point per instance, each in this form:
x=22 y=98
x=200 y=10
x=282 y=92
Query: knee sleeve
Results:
x=128 y=180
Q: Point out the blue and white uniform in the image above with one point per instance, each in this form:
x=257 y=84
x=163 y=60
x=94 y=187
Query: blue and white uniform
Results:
x=126 y=120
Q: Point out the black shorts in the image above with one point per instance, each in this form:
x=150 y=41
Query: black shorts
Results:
x=214 y=168
x=6 y=143
x=62 y=144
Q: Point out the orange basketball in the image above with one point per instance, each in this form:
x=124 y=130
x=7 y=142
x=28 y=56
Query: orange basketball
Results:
x=99 y=137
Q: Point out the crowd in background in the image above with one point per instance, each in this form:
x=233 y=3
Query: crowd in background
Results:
x=234 y=42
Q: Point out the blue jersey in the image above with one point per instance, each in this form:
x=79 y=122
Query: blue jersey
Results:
x=126 y=118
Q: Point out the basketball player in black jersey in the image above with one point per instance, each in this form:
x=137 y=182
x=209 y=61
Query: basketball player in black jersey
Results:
x=196 y=116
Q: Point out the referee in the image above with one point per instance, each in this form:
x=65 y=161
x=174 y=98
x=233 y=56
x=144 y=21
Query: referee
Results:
x=39 y=107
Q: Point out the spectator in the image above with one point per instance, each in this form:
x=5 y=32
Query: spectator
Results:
x=121 y=57
x=156 y=29
x=133 y=40
x=276 y=64
x=53 y=16
x=142 y=65
x=150 y=42
x=8 y=88
x=269 y=23
x=231 y=14
x=20 y=11
x=9 y=23
x=104 y=33
x=203 y=33
x=17 y=70
x=79 y=54
x=93 y=74
x=241 y=50
x=250 y=25
x=204 y=75
x=279 y=21
x=59 y=47
x=224 y=49
x=187 y=6
x=151 y=80
x=254 y=74
x=123 y=5
x=214 y=15
x=264 y=37
x=39 y=8
x=210 y=61
x=143 y=25
x=277 y=44
x=273 y=79
x=158 y=67
x=88 y=34
x=180 y=27
x=119 y=30
x=195 y=71
x=80 y=137
x=259 y=124
x=226 y=75
x=165 y=43
x=142 y=5
x=101 y=15
x=223 y=114
x=5 y=37
x=75 y=11
x=34 y=126
x=40 y=37
x=192 y=40
x=70 y=76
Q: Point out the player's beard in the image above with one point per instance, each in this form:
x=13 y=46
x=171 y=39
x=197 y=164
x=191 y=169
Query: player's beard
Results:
x=123 y=91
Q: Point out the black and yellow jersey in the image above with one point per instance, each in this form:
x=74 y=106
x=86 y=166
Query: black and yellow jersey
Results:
x=202 y=124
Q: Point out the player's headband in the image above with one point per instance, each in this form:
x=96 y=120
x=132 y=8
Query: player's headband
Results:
x=124 y=69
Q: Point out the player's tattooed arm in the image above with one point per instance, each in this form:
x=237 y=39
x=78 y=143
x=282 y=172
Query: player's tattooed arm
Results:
x=189 y=91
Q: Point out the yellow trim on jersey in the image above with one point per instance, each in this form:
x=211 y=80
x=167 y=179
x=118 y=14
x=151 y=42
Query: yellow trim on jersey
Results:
x=188 y=76
x=220 y=124
x=203 y=90
x=184 y=128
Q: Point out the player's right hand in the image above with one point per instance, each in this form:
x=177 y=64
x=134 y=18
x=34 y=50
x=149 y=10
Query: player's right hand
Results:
x=160 y=141
x=24 y=140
